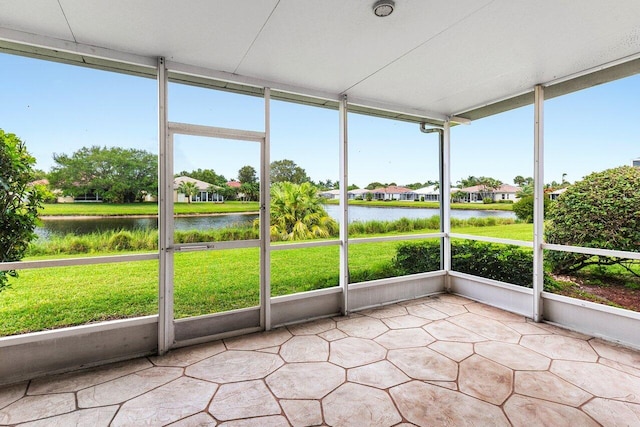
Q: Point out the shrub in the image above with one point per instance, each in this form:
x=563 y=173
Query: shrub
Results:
x=505 y=263
x=19 y=202
x=487 y=200
x=417 y=257
x=523 y=208
x=78 y=245
x=121 y=241
x=601 y=211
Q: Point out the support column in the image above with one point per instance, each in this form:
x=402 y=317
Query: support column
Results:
x=265 y=218
x=165 y=217
x=344 y=207
x=538 y=204
x=445 y=203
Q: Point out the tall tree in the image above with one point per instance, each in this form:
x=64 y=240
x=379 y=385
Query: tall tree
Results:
x=297 y=213
x=189 y=189
x=206 y=175
x=288 y=171
x=119 y=175
x=251 y=190
x=519 y=180
x=19 y=202
x=247 y=174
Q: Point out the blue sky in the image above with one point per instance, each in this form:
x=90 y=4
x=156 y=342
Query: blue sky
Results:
x=57 y=108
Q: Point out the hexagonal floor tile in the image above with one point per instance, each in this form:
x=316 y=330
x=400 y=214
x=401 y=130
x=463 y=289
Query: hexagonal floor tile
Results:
x=305 y=380
x=424 y=364
x=351 y=352
x=447 y=331
x=405 y=338
x=232 y=366
x=612 y=412
x=524 y=411
x=403 y=322
x=302 y=413
x=362 y=327
x=358 y=405
x=484 y=379
x=312 y=328
x=486 y=327
x=513 y=356
x=599 y=380
x=560 y=347
x=547 y=386
x=429 y=405
x=243 y=400
x=381 y=375
x=305 y=348
x=171 y=402
x=258 y=340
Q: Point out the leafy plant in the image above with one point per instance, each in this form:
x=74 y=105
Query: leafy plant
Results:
x=297 y=213
x=600 y=211
x=523 y=208
x=19 y=202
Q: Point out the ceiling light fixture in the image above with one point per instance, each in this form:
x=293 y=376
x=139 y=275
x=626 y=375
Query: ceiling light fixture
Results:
x=383 y=8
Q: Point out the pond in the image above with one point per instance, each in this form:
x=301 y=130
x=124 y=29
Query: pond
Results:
x=80 y=226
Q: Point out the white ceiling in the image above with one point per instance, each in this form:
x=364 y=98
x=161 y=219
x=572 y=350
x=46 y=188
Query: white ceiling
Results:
x=430 y=57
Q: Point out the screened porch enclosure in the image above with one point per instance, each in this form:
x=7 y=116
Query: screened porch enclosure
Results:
x=261 y=51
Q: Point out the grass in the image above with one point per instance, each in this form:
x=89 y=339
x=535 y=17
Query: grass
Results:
x=125 y=209
x=205 y=282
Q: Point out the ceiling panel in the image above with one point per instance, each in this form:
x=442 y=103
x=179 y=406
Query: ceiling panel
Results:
x=504 y=50
x=332 y=45
x=34 y=16
x=429 y=55
x=210 y=33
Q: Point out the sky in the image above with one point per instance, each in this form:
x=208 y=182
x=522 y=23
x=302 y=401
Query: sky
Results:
x=58 y=108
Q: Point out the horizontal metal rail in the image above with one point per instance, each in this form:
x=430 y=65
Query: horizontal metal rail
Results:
x=67 y=262
x=592 y=251
x=396 y=238
x=492 y=240
x=216 y=132
x=209 y=246
x=287 y=246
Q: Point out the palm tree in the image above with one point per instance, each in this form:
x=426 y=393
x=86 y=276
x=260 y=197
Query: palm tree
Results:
x=297 y=213
x=189 y=189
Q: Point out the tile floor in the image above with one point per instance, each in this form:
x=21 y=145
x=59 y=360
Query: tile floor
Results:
x=442 y=360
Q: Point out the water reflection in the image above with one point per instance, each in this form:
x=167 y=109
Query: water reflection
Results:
x=51 y=227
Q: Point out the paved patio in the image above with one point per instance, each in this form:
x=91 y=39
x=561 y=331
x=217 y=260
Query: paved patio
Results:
x=442 y=360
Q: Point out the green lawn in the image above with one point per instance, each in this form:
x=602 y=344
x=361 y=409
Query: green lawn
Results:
x=205 y=282
x=111 y=209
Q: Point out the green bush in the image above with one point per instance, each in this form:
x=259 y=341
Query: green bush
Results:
x=417 y=257
x=78 y=245
x=523 y=208
x=600 y=211
x=505 y=263
x=487 y=200
x=121 y=241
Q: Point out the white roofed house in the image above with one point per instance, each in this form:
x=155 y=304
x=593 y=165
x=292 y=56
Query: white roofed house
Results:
x=430 y=193
x=358 y=193
x=504 y=192
x=329 y=194
x=204 y=193
x=392 y=192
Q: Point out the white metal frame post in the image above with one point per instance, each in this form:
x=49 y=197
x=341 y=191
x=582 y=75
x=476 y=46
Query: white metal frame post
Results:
x=344 y=205
x=445 y=192
x=165 y=217
x=265 y=218
x=538 y=203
